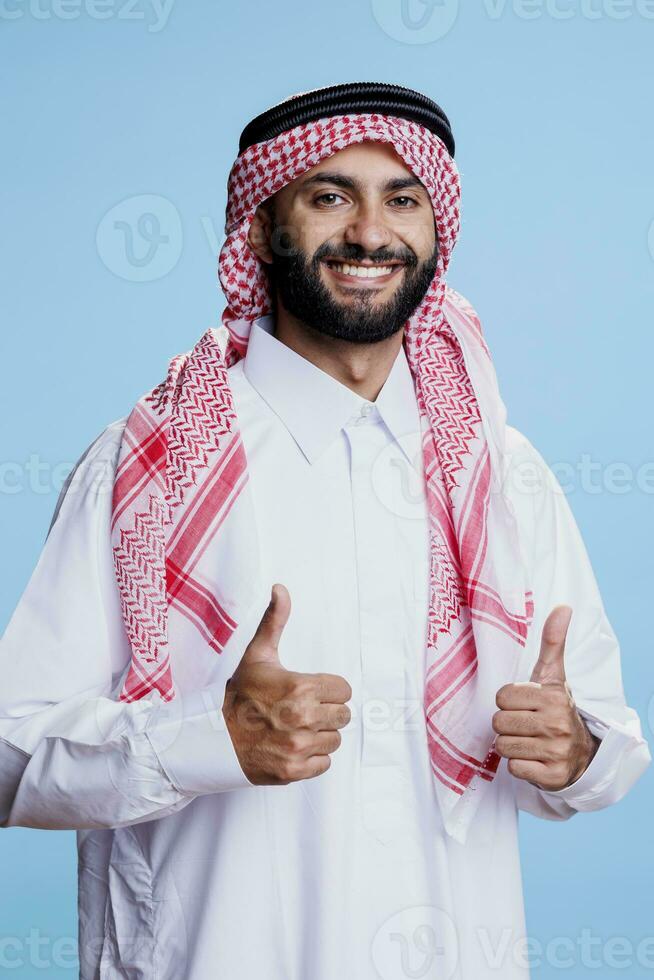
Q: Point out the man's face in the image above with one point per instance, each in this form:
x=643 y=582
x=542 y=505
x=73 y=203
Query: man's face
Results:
x=352 y=244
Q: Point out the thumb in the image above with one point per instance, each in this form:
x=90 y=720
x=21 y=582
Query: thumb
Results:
x=549 y=668
x=263 y=647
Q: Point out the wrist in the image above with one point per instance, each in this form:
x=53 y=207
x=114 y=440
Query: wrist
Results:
x=591 y=745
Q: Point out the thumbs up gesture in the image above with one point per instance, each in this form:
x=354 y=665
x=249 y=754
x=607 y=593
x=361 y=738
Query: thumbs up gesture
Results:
x=539 y=729
x=283 y=724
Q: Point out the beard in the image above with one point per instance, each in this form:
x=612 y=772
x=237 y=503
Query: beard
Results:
x=296 y=279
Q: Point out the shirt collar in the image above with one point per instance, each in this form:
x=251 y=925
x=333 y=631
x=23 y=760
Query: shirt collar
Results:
x=313 y=405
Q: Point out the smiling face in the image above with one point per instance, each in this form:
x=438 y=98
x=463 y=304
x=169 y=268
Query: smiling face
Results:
x=350 y=245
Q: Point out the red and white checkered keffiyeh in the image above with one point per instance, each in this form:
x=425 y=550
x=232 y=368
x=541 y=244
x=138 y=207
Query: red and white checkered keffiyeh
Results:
x=183 y=524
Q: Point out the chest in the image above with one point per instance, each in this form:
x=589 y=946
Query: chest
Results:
x=348 y=536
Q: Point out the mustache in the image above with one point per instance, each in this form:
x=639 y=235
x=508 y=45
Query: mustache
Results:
x=356 y=253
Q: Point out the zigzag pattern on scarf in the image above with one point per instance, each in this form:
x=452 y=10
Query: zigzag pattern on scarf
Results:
x=139 y=562
x=194 y=405
x=204 y=414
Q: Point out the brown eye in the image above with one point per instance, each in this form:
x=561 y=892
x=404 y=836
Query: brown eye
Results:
x=331 y=194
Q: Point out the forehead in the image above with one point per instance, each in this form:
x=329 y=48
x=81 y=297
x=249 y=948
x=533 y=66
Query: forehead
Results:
x=369 y=153
x=370 y=163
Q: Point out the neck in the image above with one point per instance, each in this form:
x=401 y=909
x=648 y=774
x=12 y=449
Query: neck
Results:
x=362 y=367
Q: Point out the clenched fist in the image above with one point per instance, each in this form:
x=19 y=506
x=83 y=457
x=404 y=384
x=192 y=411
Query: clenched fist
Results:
x=283 y=724
x=540 y=731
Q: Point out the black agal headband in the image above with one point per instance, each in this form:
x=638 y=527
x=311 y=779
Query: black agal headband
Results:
x=345 y=99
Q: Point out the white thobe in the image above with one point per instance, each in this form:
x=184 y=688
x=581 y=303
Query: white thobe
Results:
x=188 y=870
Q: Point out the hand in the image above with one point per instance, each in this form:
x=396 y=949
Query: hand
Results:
x=283 y=724
x=540 y=731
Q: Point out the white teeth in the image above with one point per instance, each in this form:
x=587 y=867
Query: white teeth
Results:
x=363 y=272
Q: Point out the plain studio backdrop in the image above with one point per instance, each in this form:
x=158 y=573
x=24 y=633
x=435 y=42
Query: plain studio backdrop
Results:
x=120 y=123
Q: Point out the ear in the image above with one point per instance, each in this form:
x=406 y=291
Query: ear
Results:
x=260 y=233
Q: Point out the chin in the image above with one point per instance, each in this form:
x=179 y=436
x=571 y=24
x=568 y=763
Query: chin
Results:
x=353 y=295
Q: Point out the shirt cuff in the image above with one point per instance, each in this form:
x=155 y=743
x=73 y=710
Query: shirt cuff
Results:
x=619 y=760
x=192 y=743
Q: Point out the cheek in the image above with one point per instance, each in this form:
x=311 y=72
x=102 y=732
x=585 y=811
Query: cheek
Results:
x=310 y=231
x=416 y=232
x=423 y=240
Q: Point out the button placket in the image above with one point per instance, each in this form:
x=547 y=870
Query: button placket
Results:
x=383 y=678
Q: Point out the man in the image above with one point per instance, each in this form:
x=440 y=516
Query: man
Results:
x=294 y=676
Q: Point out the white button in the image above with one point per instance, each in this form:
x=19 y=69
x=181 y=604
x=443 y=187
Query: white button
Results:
x=366 y=408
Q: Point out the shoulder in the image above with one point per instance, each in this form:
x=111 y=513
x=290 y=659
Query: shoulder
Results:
x=518 y=444
x=527 y=472
x=90 y=482
x=539 y=502
x=249 y=406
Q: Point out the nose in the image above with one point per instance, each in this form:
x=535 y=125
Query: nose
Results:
x=368 y=228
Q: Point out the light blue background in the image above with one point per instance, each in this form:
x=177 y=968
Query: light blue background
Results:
x=552 y=111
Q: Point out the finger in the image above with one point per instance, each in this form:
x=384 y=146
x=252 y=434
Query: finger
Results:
x=517 y=723
x=525 y=696
x=332 y=688
x=328 y=717
x=324 y=743
x=264 y=644
x=534 y=772
x=512 y=747
x=310 y=767
x=549 y=666
x=293 y=748
x=317 y=765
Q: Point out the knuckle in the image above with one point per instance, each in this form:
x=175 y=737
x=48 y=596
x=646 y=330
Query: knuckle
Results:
x=300 y=716
x=288 y=770
x=285 y=714
x=301 y=686
x=560 y=775
x=559 y=726
x=293 y=712
x=502 y=696
x=294 y=742
x=559 y=751
x=342 y=716
x=496 y=721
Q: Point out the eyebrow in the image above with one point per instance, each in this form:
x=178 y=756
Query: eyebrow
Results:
x=353 y=184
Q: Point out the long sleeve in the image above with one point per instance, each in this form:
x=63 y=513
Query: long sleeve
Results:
x=562 y=573
x=71 y=755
